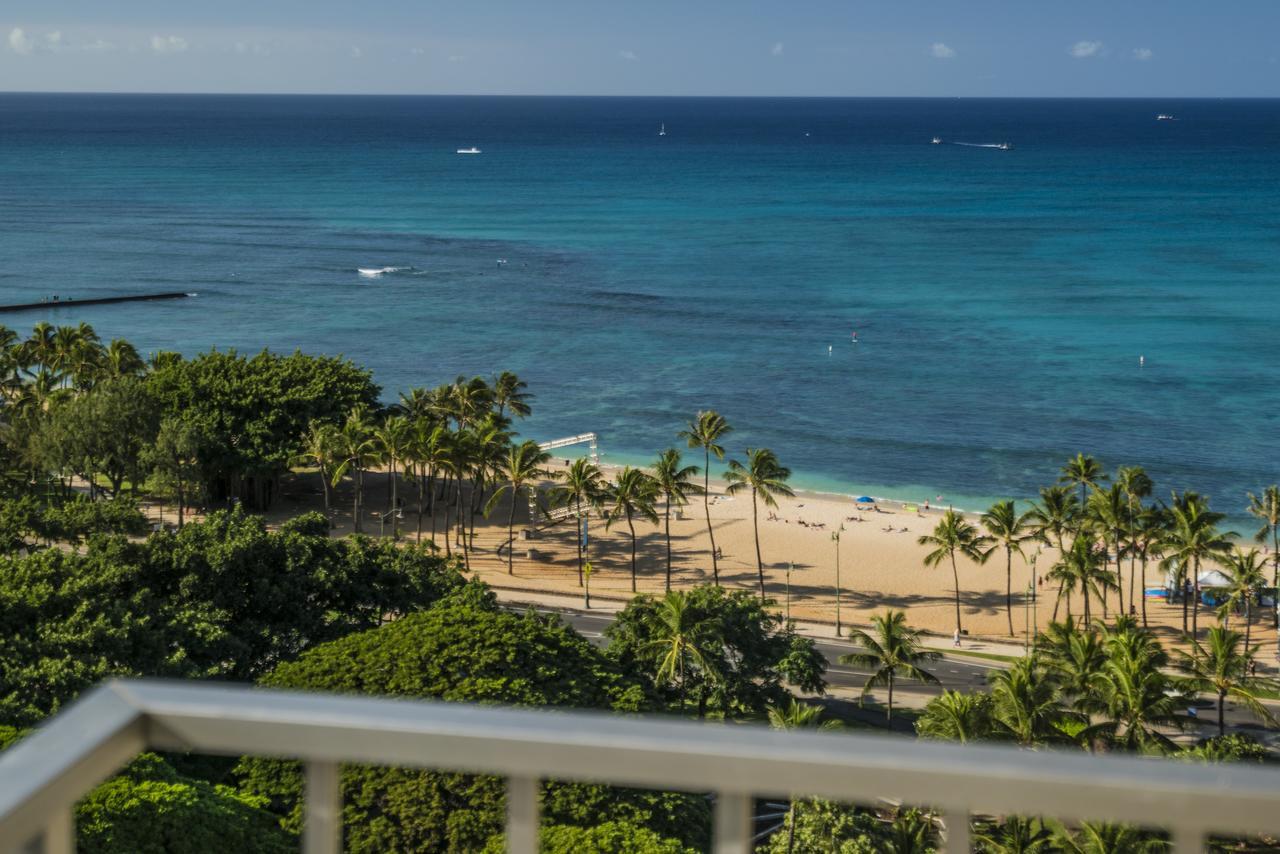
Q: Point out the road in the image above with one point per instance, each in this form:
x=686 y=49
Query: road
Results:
x=953 y=672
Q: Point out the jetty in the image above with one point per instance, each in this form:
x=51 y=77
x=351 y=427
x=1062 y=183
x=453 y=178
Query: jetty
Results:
x=69 y=303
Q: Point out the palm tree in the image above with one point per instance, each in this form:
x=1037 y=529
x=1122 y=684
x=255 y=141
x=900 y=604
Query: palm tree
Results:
x=1025 y=703
x=1193 y=537
x=952 y=534
x=1073 y=659
x=431 y=445
x=509 y=393
x=319 y=447
x=675 y=482
x=1133 y=696
x=1222 y=665
x=355 y=453
x=633 y=494
x=764 y=477
x=1136 y=485
x=1247 y=573
x=956 y=717
x=1081 y=569
x=685 y=637
x=1150 y=531
x=797 y=715
x=1015 y=835
x=1106 y=838
x=706 y=432
x=121 y=359
x=1267 y=508
x=1082 y=471
x=1007 y=529
x=894 y=650
x=521 y=469
x=582 y=484
x=391 y=444
x=1109 y=511
x=1054 y=517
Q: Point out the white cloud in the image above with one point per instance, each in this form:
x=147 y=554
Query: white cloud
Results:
x=416 y=51
x=356 y=52
x=942 y=51
x=19 y=42
x=776 y=50
x=168 y=44
x=54 y=40
x=628 y=55
x=252 y=48
x=1085 y=49
x=1143 y=54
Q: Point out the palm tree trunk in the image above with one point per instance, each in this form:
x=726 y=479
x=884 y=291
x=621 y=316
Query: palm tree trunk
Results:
x=706 y=507
x=1119 y=577
x=668 y=531
x=1144 y=587
x=355 y=506
x=448 y=550
x=1195 y=606
x=1222 y=721
x=578 y=537
x=888 y=712
x=1008 y=587
x=395 y=529
x=419 y=480
x=755 y=525
x=632 y=528
x=791 y=825
x=1247 y=621
x=955 y=577
x=511 y=533
x=324 y=483
x=1275 y=570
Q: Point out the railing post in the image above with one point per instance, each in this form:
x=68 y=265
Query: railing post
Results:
x=732 y=824
x=522 y=815
x=322 y=809
x=956 y=835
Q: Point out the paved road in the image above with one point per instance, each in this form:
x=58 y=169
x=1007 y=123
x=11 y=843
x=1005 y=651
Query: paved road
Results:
x=954 y=672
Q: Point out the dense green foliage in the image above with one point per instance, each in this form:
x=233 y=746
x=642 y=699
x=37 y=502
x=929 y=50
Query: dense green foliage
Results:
x=466 y=650
x=745 y=652
x=222 y=598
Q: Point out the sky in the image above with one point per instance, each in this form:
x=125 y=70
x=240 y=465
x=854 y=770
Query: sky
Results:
x=1016 y=48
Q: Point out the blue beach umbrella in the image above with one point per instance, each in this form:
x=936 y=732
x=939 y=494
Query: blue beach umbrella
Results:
x=865 y=499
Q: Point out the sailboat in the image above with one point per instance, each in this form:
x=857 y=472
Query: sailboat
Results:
x=662 y=129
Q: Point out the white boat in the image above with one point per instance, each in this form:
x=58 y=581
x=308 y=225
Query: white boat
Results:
x=662 y=129
x=1164 y=117
x=1005 y=146
x=472 y=150
x=937 y=140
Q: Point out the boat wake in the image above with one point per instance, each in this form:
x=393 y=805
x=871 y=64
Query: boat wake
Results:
x=1003 y=146
x=375 y=272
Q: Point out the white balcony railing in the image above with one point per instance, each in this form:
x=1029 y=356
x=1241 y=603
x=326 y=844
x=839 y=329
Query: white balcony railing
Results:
x=43 y=776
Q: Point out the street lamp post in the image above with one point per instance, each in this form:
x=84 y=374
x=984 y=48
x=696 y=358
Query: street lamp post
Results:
x=1034 y=625
x=836 y=536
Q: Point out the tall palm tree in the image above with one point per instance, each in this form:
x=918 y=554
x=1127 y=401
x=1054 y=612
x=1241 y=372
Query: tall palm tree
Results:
x=685 y=637
x=952 y=534
x=1081 y=569
x=706 y=431
x=1025 y=703
x=890 y=651
x=521 y=470
x=1222 y=665
x=1082 y=471
x=581 y=485
x=320 y=447
x=632 y=494
x=1015 y=835
x=1054 y=516
x=797 y=715
x=1007 y=529
x=509 y=394
x=391 y=444
x=1149 y=531
x=431 y=449
x=675 y=482
x=1073 y=659
x=956 y=717
x=1133 y=697
x=1247 y=572
x=1109 y=511
x=1106 y=838
x=355 y=453
x=1136 y=485
x=121 y=359
x=1194 y=537
x=764 y=477
x=1267 y=508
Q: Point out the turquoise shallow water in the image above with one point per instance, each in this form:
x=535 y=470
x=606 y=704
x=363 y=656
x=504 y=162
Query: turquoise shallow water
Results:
x=1001 y=298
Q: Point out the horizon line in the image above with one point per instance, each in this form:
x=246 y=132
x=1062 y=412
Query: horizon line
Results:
x=286 y=94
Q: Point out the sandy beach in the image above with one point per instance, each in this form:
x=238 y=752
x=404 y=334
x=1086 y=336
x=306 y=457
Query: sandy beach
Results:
x=881 y=564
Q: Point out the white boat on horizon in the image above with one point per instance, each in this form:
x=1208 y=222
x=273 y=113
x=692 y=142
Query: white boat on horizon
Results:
x=662 y=129
x=472 y=150
x=1165 y=117
x=937 y=140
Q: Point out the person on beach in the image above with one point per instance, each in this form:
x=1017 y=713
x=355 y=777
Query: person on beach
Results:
x=955 y=639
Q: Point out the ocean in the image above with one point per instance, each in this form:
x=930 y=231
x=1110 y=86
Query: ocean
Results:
x=1001 y=299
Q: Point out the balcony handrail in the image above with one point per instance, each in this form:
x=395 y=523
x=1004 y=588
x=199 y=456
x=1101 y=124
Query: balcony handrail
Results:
x=43 y=776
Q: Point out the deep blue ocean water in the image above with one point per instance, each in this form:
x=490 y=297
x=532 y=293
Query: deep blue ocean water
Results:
x=1001 y=298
